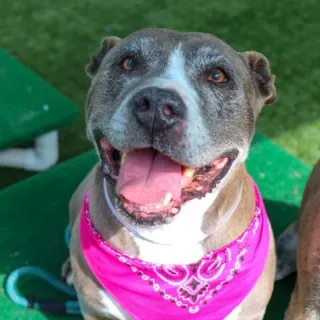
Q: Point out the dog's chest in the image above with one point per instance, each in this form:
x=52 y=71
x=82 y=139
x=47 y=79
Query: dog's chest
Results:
x=177 y=254
x=179 y=242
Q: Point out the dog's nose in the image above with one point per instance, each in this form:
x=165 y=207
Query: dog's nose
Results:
x=158 y=109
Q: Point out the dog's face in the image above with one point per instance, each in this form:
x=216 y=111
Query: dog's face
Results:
x=170 y=113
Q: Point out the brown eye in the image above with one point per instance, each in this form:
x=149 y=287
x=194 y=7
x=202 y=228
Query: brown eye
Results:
x=217 y=75
x=128 y=64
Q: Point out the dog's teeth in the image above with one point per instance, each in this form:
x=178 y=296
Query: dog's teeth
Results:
x=124 y=157
x=188 y=172
x=221 y=163
x=167 y=199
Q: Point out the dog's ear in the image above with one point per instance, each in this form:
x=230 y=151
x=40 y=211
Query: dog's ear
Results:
x=261 y=75
x=95 y=61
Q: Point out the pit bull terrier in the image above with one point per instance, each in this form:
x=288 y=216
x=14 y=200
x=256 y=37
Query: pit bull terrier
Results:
x=169 y=225
x=298 y=249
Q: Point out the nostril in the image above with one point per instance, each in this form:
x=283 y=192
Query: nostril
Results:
x=144 y=104
x=167 y=110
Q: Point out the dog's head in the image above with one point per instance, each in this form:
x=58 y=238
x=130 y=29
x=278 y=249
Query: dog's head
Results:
x=170 y=114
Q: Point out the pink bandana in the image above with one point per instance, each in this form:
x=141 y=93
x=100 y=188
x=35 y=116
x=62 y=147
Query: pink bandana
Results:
x=208 y=289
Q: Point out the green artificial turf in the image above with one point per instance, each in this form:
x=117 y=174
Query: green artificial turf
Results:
x=35 y=212
x=54 y=39
x=32 y=107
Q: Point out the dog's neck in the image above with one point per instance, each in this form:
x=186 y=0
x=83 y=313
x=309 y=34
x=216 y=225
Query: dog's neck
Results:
x=241 y=217
x=185 y=223
x=201 y=225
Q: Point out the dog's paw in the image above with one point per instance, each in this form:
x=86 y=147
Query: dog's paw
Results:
x=66 y=273
x=286 y=247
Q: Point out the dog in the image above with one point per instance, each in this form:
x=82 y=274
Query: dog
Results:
x=298 y=249
x=168 y=224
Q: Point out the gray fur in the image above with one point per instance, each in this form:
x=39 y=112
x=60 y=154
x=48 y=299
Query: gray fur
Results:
x=219 y=117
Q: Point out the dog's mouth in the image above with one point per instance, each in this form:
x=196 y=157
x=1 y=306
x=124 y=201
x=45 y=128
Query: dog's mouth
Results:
x=152 y=187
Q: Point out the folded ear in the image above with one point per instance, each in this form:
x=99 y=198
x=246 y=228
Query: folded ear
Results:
x=261 y=75
x=95 y=61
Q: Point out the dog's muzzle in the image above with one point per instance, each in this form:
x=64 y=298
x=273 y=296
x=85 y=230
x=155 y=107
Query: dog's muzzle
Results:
x=158 y=109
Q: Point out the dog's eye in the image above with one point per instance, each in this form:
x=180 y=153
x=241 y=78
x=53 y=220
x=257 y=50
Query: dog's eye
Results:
x=128 y=64
x=217 y=75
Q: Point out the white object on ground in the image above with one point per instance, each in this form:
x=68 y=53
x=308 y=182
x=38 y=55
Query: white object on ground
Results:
x=43 y=156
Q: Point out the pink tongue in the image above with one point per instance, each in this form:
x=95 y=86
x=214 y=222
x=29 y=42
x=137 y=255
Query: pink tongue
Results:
x=147 y=177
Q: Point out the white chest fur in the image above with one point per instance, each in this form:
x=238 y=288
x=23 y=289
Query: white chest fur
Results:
x=109 y=307
x=180 y=241
x=234 y=315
